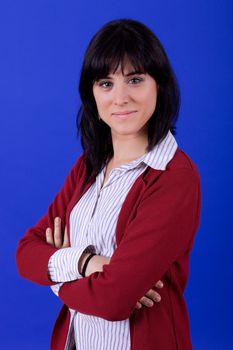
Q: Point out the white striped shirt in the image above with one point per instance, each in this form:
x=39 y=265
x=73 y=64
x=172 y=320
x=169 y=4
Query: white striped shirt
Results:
x=92 y=228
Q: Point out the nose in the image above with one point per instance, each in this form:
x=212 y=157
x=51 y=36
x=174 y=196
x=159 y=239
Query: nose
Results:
x=121 y=96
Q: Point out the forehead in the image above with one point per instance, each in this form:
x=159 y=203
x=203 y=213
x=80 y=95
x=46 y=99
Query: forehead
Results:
x=122 y=68
x=110 y=66
x=125 y=69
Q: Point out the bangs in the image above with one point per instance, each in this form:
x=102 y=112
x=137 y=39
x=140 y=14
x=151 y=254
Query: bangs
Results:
x=115 y=52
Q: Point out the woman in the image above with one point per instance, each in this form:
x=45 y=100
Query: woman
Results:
x=128 y=211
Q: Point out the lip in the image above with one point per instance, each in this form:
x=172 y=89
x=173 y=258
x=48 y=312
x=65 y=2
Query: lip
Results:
x=123 y=114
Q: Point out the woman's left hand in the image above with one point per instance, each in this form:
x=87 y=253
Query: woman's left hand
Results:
x=150 y=297
x=58 y=239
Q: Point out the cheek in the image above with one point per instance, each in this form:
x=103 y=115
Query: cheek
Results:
x=102 y=101
x=153 y=101
x=148 y=102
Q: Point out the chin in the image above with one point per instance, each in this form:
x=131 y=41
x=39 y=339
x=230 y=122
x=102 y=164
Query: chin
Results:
x=124 y=132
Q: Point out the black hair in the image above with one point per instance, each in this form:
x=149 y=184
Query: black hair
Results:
x=107 y=50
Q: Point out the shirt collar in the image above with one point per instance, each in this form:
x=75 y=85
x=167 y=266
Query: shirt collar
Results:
x=159 y=156
x=162 y=153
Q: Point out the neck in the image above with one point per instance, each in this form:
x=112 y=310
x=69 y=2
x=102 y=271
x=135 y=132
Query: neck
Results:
x=128 y=147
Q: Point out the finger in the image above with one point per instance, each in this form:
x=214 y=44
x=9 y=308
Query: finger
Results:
x=66 y=242
x=138 y=305
x=152 y=294
x=57 y=232
x=146 y=301
x=159 y=284
x=49 y=236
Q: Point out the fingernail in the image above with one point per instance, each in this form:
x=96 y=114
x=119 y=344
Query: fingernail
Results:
x=151 y=303
x=57 y=220
x=160 y=284
x=158 y=298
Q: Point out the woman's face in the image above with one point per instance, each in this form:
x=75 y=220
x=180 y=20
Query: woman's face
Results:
x=126 y=102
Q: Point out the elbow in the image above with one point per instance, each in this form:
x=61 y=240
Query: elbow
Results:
x=32 y=265
x=21 y=256
x=20 y=262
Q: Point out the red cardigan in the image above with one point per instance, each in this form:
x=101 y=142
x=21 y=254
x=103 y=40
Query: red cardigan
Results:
x=154 y=236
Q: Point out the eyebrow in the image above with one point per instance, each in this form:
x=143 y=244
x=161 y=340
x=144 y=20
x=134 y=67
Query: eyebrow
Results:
x=126 y=75
x=133 y=72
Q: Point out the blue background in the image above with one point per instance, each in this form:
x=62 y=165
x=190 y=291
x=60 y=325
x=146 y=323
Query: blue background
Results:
x=42 y=46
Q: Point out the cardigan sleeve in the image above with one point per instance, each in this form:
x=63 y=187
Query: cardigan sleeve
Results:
x=33 y=252
x=162 y=230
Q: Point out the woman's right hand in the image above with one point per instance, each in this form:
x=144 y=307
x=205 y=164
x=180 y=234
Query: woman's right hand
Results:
x=57 y=238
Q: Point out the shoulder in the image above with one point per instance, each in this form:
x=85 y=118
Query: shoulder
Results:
x=181 y=171
x=181 y=160
x=181 y=163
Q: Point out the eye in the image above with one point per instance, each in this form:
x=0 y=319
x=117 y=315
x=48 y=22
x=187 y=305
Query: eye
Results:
x=105 y=84
x=135 y=80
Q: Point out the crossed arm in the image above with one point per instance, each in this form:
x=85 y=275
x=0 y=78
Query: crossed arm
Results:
x=59 y=239
x=171 y=206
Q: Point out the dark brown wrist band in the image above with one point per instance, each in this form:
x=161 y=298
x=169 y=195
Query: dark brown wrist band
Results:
x=85 y=264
